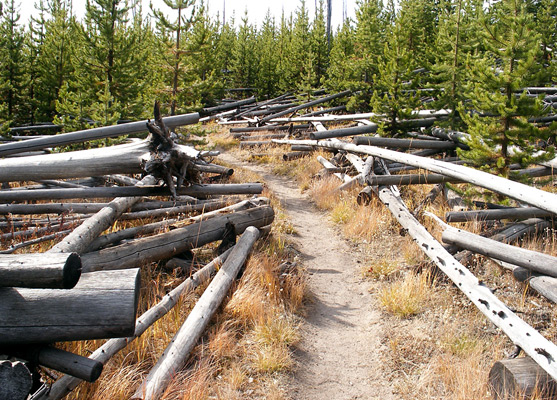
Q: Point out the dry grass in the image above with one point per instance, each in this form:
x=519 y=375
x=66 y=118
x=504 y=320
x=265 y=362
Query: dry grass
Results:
x=407 y=297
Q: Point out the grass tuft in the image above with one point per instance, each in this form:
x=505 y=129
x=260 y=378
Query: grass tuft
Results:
x=407 y=297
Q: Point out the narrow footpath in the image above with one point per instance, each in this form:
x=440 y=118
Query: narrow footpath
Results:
x=339 y=356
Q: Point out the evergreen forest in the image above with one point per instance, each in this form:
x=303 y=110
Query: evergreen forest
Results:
x=467 y=56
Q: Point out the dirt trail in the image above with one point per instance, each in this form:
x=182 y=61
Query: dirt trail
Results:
x=339 y=356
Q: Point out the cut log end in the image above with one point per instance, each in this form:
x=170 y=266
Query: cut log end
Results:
x=72 y=271
x=15 y=380
x=520 y=378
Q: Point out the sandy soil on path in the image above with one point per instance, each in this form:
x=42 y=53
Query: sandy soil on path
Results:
x=339 y=356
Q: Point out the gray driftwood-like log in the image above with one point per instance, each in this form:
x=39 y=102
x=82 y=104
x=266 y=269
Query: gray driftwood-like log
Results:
x=129 y=191
x=535 y=261
x=177 y=353
x=66 y=384
x=93 y=134
x=498 y=214
x=429 y=198
x=40 y=270
x=31 y=242
x=227 y=106
x=15 y=380
x=294 y=155
x=325 y=111
x=262 y=104
x=403 y=143
x=520 y=378
x=543 y=351
x=167 y=245
x=170 y=211
x=60 y=360
x=244 y=130
x=410 y=179
x=342 y=132
x=305 y=105
x=518 y=191
x=327 y=164
x=90 y=229
x=101 y=305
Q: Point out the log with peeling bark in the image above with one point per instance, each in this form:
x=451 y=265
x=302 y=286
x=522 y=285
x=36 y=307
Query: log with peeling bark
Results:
x=403 y=143
x=129 y=191
x=543 y=351
x=102 y=305
x=40 y=270
x=176 y=354
x=92 y=134
x=166 y=245
x=103 y=354
x=533 y=260
x=497 y=214
x=57 y=359
x=518 y=191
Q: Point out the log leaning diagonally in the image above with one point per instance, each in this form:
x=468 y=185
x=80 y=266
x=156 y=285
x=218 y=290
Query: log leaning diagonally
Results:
x=177 y=352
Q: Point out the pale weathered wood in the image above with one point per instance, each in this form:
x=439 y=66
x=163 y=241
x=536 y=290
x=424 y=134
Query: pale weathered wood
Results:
x=166 y=245
x=101 y=305
x=129 y=191
x=520 y=378
x=327 y=164
x=82 y=236
x=15 y=380
x=410 y=179
x=518 y=191
x=402 y=143
x=66 y=384
x=40 y=270
x=176 y=354
x=497 y=214
x=533 y=260
x=519 y=332
x=92 y=134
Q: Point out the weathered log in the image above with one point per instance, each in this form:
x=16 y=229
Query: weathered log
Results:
x=520 y=378
x=262 y=137
x=256 y=143
x=101 y=305
x=341 y=132
x=410 y=179
x=227 y=106
x=37 y=231
x=327 y=164
x=305 y=105
x=428 y=199
x=519 y=332
x=212 y=168
x=518 y=191
x=129 y=233
x=93 y=134
x=176 y=354
x=39 y=270
x=262 y=104
x=83 y=235
x=42 y=127
x=325 y=111
x=294 y=155
x=129 y=191
x=60 y=360
x=167 y=212
x=241 y=131
x=31 y=242
x=365 y=196
x=167 y=245
x=402 y=143
x=497 y=214
x=535 y=261
x=15 y=380
x=51 y=182
x=66 y=384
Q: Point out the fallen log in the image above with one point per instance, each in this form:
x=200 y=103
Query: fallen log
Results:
x=66 y=384
x=166 y=245
x=497 y=214
x=294 y=155
x=101 y=305
x=16 y=380
x=410 y=179
x=31 y=242
x=519 y=332
x=402 y=143
x=57 y=359
x=93 y=134
x=170 y=211
x=341 y=132
x=327 y=164
x=520 y=378
x=176 y=354
x=39 y=270
x=518 y=191
x=535 y=261
x=129 y=191
x=305 y=105
x=226 y=107
x=263 y=104
x=325 y=111
x=241 y=131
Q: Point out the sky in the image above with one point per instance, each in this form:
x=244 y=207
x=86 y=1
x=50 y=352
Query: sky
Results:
x=257 y=9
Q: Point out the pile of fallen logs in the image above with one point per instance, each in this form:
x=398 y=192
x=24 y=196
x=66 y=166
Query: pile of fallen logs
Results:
x=427 y=156
x=87 y=285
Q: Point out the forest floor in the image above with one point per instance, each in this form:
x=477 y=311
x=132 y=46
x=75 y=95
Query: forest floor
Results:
x=339 y=355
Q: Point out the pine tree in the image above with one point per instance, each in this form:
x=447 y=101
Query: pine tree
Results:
x=267 y=73
x=172 y=32
x=319 y=46
x=244 y=61
x=302 y=56
x=546 y=26
x=340 y=73
x=13 y=76
x=500 y=131
x=285 y=68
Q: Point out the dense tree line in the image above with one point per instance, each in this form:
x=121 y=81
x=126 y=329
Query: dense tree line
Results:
x=462 y=55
